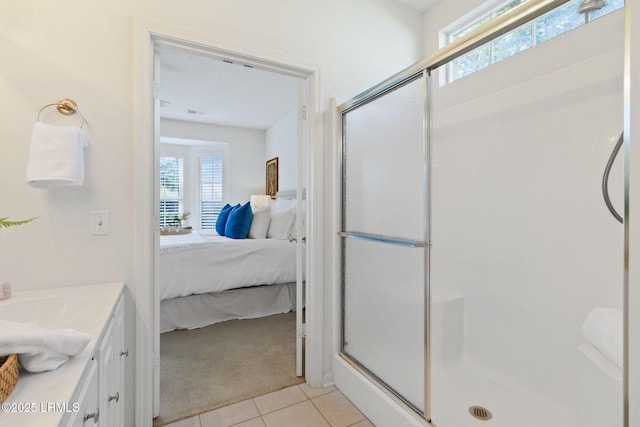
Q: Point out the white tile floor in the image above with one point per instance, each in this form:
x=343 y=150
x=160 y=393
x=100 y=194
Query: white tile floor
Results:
x=297 y=406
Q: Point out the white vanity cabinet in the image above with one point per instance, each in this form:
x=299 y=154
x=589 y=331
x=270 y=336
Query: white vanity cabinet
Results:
x=100 y=395
x=111 y=368
x=88 y=389
x=88 y=412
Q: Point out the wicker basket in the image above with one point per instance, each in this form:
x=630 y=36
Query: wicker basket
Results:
x=8 y=375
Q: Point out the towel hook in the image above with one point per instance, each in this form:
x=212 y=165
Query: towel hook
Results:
x=66 y=106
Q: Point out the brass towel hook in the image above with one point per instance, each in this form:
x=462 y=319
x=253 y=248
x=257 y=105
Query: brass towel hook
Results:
x=66 y=106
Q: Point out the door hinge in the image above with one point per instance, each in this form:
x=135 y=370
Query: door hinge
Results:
x=155 y=363
x=303 y=330
x=303 y=112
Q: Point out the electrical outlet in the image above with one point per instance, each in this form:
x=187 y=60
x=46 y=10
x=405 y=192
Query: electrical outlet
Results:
x=99 y=223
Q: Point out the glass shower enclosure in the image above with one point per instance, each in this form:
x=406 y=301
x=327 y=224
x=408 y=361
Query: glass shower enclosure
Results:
x=384 y=239
x=482 y=275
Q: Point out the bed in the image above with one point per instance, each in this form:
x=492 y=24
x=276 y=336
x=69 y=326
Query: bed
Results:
x=206 y=278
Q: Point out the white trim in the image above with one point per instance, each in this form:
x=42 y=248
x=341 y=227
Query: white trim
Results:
x=336 y=226
x=144 y=211
x=186 y=39
x=148 y=34
x=315 y=259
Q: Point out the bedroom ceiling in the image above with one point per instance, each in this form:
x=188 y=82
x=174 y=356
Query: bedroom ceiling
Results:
x=201 y=88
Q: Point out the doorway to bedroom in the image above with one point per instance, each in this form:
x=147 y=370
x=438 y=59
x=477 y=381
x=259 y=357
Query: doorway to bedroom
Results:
x=228 y=294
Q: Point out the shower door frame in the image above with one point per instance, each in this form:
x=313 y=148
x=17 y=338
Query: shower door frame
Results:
x=519 y=15
x=346 y=234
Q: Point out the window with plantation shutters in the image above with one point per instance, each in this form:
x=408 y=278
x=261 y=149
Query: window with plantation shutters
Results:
x=171 y=189
x=210 y=190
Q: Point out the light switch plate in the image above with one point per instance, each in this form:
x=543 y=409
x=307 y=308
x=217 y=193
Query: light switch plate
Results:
x=99 y=223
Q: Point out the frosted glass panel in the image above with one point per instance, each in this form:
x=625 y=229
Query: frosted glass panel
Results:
x=524 y=249
x=384 y=280
x=384 y=164
x=384 y=314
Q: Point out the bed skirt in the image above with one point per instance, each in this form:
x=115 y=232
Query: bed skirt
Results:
x=197 y=311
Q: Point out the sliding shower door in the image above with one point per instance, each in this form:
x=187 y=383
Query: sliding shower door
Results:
x=384 y=239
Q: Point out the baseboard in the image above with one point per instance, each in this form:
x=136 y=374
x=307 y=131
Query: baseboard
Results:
x=328 y=380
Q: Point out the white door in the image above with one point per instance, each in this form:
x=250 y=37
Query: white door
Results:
x=156 y=236
x=300 y=228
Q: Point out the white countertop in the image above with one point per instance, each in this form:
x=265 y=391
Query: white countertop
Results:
x=41 y=399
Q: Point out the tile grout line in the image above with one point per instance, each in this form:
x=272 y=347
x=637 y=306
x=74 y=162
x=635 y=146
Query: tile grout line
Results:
x=261 y=415
x=307 y=398
x=321 y=414
x=287 y=406
x=328 y=422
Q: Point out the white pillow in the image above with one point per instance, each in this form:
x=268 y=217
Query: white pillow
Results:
x=294 y=228
x=260 y=223
x=281 y=223
x=279 y=205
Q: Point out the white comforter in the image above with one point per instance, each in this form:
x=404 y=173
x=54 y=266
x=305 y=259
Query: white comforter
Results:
x=195 y=264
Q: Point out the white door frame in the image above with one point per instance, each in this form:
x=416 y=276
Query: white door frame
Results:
x=146 y=236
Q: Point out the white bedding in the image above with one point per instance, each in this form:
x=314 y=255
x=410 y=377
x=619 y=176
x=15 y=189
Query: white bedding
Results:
x=197 y=311
x=197 y=264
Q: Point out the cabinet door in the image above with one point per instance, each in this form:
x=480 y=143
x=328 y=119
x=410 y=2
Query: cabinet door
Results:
x=111 y=366
x=120 y=357
x=88 y=414
x=109 y=397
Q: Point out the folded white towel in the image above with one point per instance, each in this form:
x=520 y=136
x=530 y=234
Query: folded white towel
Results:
x=603 y=328
x=40 y=349
x=56 y=156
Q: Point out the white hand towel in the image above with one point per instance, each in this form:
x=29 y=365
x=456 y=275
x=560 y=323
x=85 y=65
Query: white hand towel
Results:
x=40 y=349
x=56 y=156
x=603 y=328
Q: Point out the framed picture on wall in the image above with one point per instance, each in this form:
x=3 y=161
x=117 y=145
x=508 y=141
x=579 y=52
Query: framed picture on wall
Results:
x=272 y=177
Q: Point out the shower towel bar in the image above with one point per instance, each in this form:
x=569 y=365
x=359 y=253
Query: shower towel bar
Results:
x=66 y=106
x=385 y=239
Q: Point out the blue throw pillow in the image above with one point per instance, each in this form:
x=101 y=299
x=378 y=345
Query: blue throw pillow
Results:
x=239 y=222
x=223 y=217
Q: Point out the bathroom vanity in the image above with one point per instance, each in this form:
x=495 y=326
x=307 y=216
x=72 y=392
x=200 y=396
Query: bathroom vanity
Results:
x=88 y=389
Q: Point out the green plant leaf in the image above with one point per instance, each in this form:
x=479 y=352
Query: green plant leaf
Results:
x=4 y=222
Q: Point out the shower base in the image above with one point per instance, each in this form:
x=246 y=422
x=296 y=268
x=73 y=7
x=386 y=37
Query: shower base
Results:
x=457 y=388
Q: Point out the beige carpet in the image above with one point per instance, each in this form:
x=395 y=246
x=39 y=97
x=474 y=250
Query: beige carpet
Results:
x=204 y=369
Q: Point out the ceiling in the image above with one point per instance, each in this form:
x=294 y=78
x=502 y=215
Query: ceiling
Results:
x=199 y=87
x=418 y=5
x=202 y=88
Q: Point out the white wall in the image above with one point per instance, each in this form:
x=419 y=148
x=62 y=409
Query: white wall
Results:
x=441 y=15
x=282 y=142
x=245 y=156
x=85 y=51
x=247 y=151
